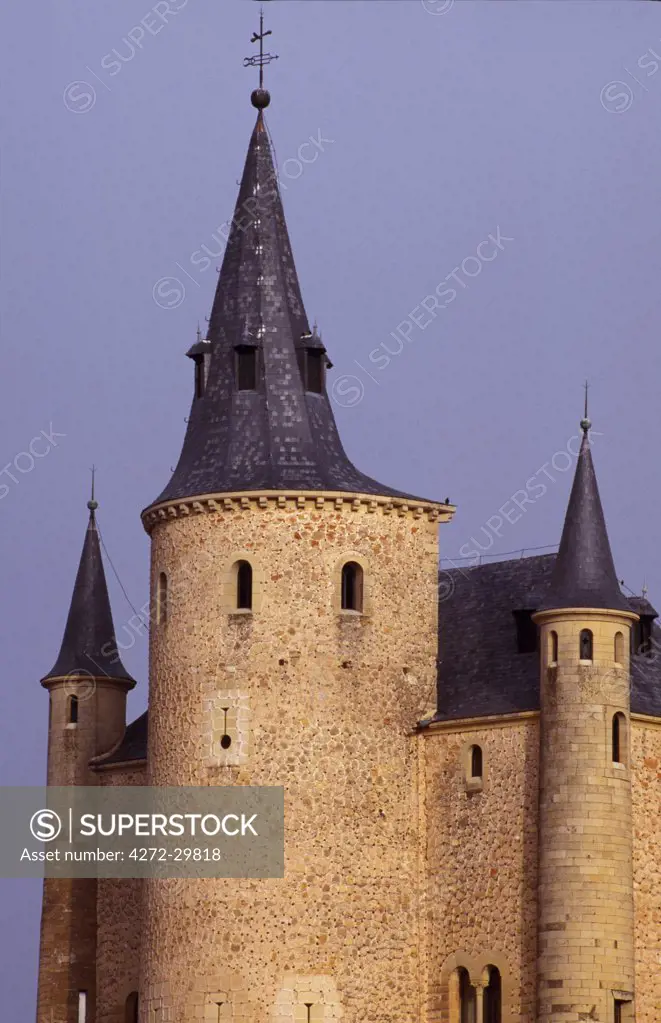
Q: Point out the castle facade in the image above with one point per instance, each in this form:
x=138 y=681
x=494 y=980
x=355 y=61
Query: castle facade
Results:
x=472 y=785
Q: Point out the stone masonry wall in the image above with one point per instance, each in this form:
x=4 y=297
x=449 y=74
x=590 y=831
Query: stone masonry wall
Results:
x=324 y=702
x=119 y=916
x=482 y=862
x=646 y=772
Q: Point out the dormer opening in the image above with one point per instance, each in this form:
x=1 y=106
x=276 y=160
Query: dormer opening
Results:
x=641 y=636
x=316 y=365
x=526 y=631
x=200 y=353
x=312 y=363
x=246 y=368
x=199 y=377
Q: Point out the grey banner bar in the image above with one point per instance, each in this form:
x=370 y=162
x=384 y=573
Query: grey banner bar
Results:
x=231 y=831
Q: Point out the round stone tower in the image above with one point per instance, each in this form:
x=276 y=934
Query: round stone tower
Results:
x=586 y=926
x=87 y=689
x=287 y=650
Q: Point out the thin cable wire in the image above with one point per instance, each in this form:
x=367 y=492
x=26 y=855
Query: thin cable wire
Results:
x=504 y=554
x=116 y=573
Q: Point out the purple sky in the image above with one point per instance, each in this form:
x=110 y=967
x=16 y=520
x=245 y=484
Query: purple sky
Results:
x=442 y=127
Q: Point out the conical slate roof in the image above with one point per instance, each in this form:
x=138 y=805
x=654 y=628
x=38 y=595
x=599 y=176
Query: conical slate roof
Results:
x=278 y=436
x=584 y=573
x=89 y=647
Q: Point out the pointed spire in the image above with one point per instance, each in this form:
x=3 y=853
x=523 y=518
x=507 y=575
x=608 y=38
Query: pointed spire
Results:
x=584 y=573
x=281 y=433
x=89 y=647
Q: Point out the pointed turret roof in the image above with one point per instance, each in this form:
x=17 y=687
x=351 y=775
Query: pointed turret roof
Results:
x=584 y=573
x=89 y=647
x=278 y=436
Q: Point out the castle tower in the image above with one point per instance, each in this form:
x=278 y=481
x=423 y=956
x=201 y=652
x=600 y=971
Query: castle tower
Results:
x=87 y=689
x=585 y=934
x=286 y=650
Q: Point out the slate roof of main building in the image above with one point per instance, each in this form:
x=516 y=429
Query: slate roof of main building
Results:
x=481 y=672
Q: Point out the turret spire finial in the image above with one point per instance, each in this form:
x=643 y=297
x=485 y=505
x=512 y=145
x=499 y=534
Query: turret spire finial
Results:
x=93 y=504
x=585 y=422
x=260 y=97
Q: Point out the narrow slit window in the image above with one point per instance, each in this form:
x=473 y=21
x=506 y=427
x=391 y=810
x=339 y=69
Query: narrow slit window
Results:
x=73 y=710
x=619 y=738
x=244 y=586
x=553 y=647
x=586 y=645
x=619 y=648
x=476 y=762
x=131 y=1013
x=352 y=587
x=82 y=1007
x=162 y=599
x=246 y=369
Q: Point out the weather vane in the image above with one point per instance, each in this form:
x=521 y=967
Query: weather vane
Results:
x=260 y=59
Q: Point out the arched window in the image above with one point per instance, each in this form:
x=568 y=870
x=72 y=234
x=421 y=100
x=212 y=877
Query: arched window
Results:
x=619 y=738
x=246 y=368
x=467 y=998
x=131 y=1010
x=244 y=586
x=162 y=599
x=352 y=587
x=585 y=645
x=553 y=647
x=619 y=648
x=73 y=710
x=476 y=762
x=493 y=997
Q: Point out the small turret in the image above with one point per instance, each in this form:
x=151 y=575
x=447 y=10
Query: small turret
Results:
x=585 y=923
x=87 y=687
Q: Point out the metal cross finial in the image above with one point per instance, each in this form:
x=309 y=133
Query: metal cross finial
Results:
x=92 y=504
x=262 y=59
x=585 y=422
